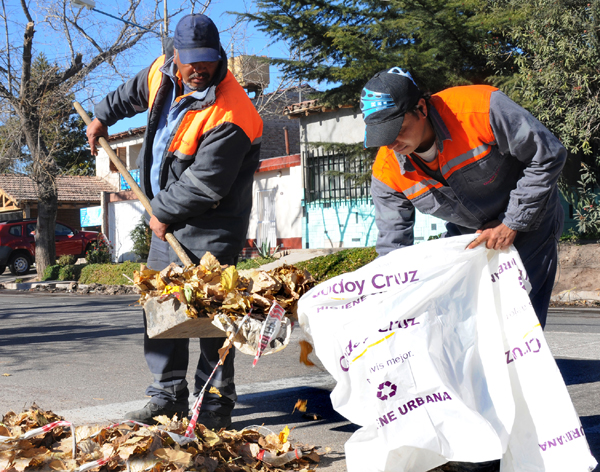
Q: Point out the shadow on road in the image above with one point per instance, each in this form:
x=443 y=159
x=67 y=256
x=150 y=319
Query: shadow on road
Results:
x=579 y=371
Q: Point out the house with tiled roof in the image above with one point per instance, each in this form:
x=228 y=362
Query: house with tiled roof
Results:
x=338 y=212
x=19 y=196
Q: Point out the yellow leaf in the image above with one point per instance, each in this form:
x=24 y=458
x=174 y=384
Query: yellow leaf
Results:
x=229 y=278
x=305 y=349
x=283 y=435
x=215 y=391
x=210 y=438
x=6 y=375
x=300 y=406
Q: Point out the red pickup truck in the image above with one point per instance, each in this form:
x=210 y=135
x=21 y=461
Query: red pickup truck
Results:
x=17 y=243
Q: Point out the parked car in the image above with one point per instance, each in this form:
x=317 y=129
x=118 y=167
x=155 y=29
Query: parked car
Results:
x=17 y=243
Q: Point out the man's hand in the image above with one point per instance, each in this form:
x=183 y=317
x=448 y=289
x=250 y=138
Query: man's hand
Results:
x=94 y=131
x=160 y=229
x=495 y=234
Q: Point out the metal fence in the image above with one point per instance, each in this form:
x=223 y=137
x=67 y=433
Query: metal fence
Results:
x=327 y=177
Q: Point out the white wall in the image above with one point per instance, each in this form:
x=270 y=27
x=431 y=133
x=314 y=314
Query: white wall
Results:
x=122 y=218
x=340 y=126
x=287 y=187
x=133 y=145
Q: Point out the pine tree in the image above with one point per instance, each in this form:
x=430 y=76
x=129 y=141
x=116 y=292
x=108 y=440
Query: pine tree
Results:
x=344 y=43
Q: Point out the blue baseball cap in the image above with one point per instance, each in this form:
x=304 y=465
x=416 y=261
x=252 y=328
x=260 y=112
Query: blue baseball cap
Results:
x=197 y=39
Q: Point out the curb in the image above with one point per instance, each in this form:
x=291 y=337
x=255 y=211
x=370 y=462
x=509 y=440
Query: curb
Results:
x=30 y=285
x=572 y=296
x=70 y=287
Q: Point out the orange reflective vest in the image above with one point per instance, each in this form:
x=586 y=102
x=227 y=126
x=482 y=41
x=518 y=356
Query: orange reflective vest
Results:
x=467 y=118
x=231 y=105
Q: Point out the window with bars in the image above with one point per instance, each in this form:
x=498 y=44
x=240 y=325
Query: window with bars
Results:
x=328 y=177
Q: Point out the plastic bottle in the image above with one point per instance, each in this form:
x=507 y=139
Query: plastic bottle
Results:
x=274 y=459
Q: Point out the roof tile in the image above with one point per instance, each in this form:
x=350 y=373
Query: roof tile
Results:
x=71 y=188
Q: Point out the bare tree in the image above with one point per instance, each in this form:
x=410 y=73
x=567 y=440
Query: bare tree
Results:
x=85 y=48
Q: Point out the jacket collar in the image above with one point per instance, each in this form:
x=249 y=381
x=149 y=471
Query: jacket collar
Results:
x=441 y=134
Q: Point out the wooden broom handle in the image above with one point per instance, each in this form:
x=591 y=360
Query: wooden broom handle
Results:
x=172 y=240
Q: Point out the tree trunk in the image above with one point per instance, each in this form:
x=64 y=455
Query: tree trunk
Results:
x=45 y=247
x=44 y=174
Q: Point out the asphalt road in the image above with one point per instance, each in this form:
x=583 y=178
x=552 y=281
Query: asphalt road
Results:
x=81 y=357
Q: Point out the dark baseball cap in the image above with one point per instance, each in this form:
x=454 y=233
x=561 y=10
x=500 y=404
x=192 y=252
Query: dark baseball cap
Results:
x=197 y=39
x=384 y=101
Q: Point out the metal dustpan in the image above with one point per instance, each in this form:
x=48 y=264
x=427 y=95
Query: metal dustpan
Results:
x=167 y=319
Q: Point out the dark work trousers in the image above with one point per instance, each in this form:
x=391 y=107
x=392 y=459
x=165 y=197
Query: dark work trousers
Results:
x=168 y=360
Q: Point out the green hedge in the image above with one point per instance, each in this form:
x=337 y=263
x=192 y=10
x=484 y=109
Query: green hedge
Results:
x=51 y=272
x=322 y=268
x=347 y=260
x=108 y=274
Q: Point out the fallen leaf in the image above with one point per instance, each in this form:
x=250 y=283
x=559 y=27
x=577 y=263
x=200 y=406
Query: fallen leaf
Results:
x=300 y=406
x=312 y=416
x=6 y=375
x=210 y=438
x=313 y=456
x=305 y=349
x=283 y=435
x=229 y=278
x=181 y=458
x=214 y=390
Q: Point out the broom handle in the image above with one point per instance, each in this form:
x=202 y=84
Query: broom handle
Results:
x=172 y=240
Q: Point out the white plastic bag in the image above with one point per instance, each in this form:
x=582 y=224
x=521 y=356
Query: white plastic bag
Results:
x=417 y=342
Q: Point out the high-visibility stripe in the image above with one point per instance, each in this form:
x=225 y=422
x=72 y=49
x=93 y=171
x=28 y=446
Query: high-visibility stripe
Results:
x=416 y=189
x=455 y=164
x=203 y=187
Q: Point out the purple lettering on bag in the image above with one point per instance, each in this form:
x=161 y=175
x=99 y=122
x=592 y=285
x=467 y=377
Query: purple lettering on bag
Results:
x=374 y=283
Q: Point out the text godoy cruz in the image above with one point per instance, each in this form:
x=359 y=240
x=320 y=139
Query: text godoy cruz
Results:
x=533 y=345
x=376 y=284
x=409 y=406
x=351 y=347
x=562 y=439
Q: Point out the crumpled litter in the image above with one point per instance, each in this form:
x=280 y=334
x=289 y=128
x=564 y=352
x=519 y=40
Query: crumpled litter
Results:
x=136 y=447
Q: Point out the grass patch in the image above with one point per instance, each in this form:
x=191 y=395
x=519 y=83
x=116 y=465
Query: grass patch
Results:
x=108 y=274
x=321 y=268
x=253 y=263
x=347 y=260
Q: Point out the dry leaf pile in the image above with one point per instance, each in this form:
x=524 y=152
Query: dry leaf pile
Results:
x=136 y=448
x=210 y=288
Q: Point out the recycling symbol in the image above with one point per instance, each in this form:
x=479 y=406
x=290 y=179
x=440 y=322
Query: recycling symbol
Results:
x=386 y=390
